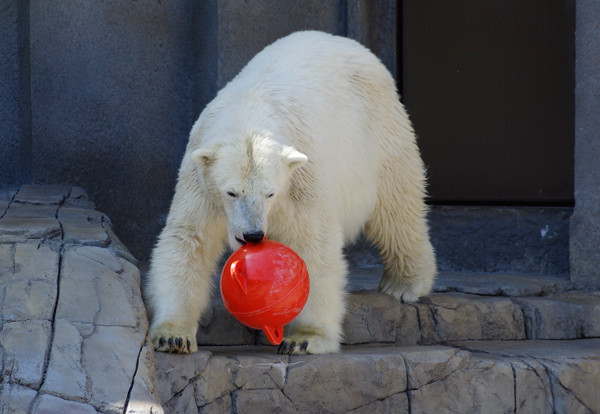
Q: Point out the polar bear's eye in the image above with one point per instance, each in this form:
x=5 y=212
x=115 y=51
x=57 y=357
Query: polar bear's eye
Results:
x=270 y=195
x=231 y=194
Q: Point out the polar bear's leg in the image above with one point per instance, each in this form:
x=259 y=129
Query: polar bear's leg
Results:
x=318 y=328
x=398 y=227
x=178 y=288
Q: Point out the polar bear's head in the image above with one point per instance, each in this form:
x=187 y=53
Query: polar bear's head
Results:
x=247 y=177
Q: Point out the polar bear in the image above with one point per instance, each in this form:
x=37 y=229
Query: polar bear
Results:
x=309 y=145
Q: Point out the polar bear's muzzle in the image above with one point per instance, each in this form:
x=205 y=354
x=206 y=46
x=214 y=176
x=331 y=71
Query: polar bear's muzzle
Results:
x=251 y=237
x=254 y=237
x=247 y=221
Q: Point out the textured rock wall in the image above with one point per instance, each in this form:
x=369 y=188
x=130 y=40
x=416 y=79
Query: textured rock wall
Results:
x=73 y=337
x=466 y=377
x=73 y=327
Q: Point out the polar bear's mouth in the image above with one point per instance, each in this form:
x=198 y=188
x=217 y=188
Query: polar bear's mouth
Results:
x=240 y=241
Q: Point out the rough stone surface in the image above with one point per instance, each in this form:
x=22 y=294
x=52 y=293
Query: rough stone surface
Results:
x=16 y=399
x=572 y=368
x=375 y=317
x=454 y=315
x=533 y=391
x=219 y=327
x=83 y=226
x=426 y=365
x=43 y=195
x=73 y=338
x=490 y=390
x=254 y=379
x=489 y=376
x=17 y=229
x=562 y=316
x=49 y=404
x=29 y=272
x=143 y=396
x=463 y=307
x=24 y=346
x=312 y=381
x=73 y=328
x=500 y=284
x=113 y=302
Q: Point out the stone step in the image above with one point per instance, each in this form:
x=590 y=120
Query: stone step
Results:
x=463 y=307
x=531 y=376
x=73 y=327
x=73 y=337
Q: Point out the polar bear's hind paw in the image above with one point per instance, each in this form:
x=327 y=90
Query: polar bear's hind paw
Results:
x=311 y=344
x=292 y=348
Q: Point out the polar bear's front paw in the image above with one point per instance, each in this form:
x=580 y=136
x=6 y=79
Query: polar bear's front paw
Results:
x=307 y=344
x=169 y=338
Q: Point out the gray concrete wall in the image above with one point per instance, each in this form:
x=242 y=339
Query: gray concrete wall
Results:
x=103 y=94
x=113 y=96
x=487 y=239
x=374 y=24
x=243 y=31
x=585 y=223
x=15 y=142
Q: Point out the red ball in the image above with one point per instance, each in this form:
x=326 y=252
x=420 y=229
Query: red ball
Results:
x=265 y=285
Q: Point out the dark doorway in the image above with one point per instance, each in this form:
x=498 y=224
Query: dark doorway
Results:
x=489 y=86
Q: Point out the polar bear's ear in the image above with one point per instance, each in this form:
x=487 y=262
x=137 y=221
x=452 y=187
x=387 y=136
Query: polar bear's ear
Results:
x=203 y=156
x=293 y=158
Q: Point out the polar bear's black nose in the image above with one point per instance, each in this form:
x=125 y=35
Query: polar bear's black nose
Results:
x=254 y=237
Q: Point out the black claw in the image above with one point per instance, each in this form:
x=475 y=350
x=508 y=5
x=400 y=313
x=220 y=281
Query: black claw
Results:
x=189 y=345
x=179 y=343
x=170 y=343
x=161 y=342
x=290 y=348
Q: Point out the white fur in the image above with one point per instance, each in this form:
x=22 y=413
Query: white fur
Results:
x=310 y=145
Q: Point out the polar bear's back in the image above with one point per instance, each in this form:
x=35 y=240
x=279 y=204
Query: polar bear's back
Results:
x=314 y=75
x=316 y=53
x=316 y=67
x=333 y=92
x=333 y=100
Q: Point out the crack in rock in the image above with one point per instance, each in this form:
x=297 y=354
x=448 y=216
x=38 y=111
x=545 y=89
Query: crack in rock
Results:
x=133 y=376
x=446 y=368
